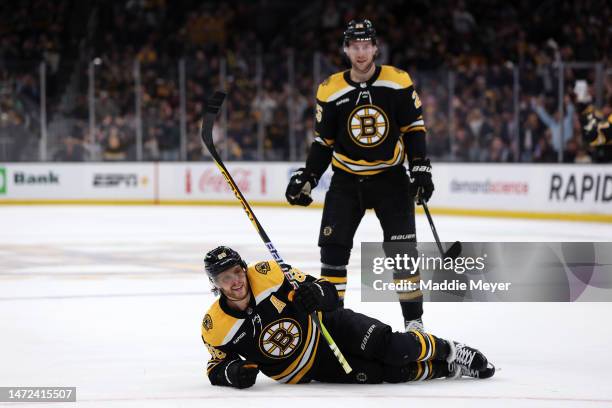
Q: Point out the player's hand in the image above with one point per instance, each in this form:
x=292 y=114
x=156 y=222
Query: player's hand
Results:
x=420 y=177
x=308 y=297
x=242 y=374
x=300 y=185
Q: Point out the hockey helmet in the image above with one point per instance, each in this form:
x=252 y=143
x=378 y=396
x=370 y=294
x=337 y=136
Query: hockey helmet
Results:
x=359 y=30
x=220 y=259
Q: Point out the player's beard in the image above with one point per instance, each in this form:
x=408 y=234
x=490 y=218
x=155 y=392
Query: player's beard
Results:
x=238 y=297
x=366 y=69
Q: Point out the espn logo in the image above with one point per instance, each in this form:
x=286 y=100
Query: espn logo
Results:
x=117 y=179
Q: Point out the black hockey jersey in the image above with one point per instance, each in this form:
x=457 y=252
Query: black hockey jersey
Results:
x=364 y=122
x=271 y=332
x=597 y=133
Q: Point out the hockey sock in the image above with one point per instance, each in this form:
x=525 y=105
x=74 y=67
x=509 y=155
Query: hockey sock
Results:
x=401 y=349
x=410 y=296
x=430 y=347
x=420 y=371
x=337 y=276
x=428 y=370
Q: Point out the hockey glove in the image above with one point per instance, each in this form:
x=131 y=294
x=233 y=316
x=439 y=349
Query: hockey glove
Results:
x=420 y=175
x=301 y=184
x=581 y=90
x=308 y=297
x=241 y=374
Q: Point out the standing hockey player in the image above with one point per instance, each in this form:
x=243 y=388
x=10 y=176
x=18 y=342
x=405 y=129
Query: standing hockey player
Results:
x=261 y=323
x=368 y=120
x=596 y=125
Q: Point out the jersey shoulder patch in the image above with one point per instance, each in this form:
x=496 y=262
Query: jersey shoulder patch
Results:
x=333 y=87
x=218 y=327
x=392 y=77
x=264 y=278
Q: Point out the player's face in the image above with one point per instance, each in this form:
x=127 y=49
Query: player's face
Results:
x=361 y=54
x=233 y=283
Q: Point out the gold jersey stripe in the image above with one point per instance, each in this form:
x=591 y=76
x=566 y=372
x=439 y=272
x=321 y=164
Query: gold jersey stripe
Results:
x=339 y=165
x=223 y=325
x=212 y=364
x=411 y=127
x=394 y=75
x=416 y=129
x=313 y=356
x=366 y=168
x=399 y=148
x=264 y=278
x=334 y=279
x=332 y=86
x=325 y=142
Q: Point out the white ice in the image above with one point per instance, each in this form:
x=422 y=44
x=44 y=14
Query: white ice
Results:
x=110 y=300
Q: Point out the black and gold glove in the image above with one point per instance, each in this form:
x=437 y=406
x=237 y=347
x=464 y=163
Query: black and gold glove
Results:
x=241 y=374
x=308 y=297
x=420 y=178
x=300 y=186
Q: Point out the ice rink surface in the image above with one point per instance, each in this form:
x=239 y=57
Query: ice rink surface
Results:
x=110 y=300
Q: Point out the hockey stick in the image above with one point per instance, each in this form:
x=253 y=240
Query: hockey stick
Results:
x=454 y=250
x=212 y=108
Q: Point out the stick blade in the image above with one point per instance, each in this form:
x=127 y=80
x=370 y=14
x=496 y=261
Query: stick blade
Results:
x=213 y=105
x=454 y=250
x=214 y=102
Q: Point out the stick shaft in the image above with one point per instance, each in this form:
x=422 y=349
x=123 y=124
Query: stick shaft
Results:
x=433 y=228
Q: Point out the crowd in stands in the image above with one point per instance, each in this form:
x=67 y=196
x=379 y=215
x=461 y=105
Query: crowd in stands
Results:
x=30 y=32
x=463 y=58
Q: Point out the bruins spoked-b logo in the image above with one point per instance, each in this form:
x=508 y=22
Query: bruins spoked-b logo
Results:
x=263 y=267
x=207 y=322
x=280 y=338
x=368 y=125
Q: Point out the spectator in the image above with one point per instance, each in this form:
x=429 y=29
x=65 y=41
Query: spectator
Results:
x=544 y=151
x=531 y=133
x=554 y=123
x=114 y=148
x=71 y=151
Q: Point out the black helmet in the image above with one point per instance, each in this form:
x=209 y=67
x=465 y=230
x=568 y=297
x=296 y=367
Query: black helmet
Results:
x=359 y=30
x=221 y=259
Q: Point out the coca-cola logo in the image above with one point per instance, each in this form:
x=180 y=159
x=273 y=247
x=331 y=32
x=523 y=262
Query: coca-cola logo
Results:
x=211 y=180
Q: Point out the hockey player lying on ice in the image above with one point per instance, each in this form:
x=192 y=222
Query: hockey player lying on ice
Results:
x=260 y=323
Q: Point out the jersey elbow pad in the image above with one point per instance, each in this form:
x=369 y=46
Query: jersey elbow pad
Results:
x=318 y=159
x=416 y=144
